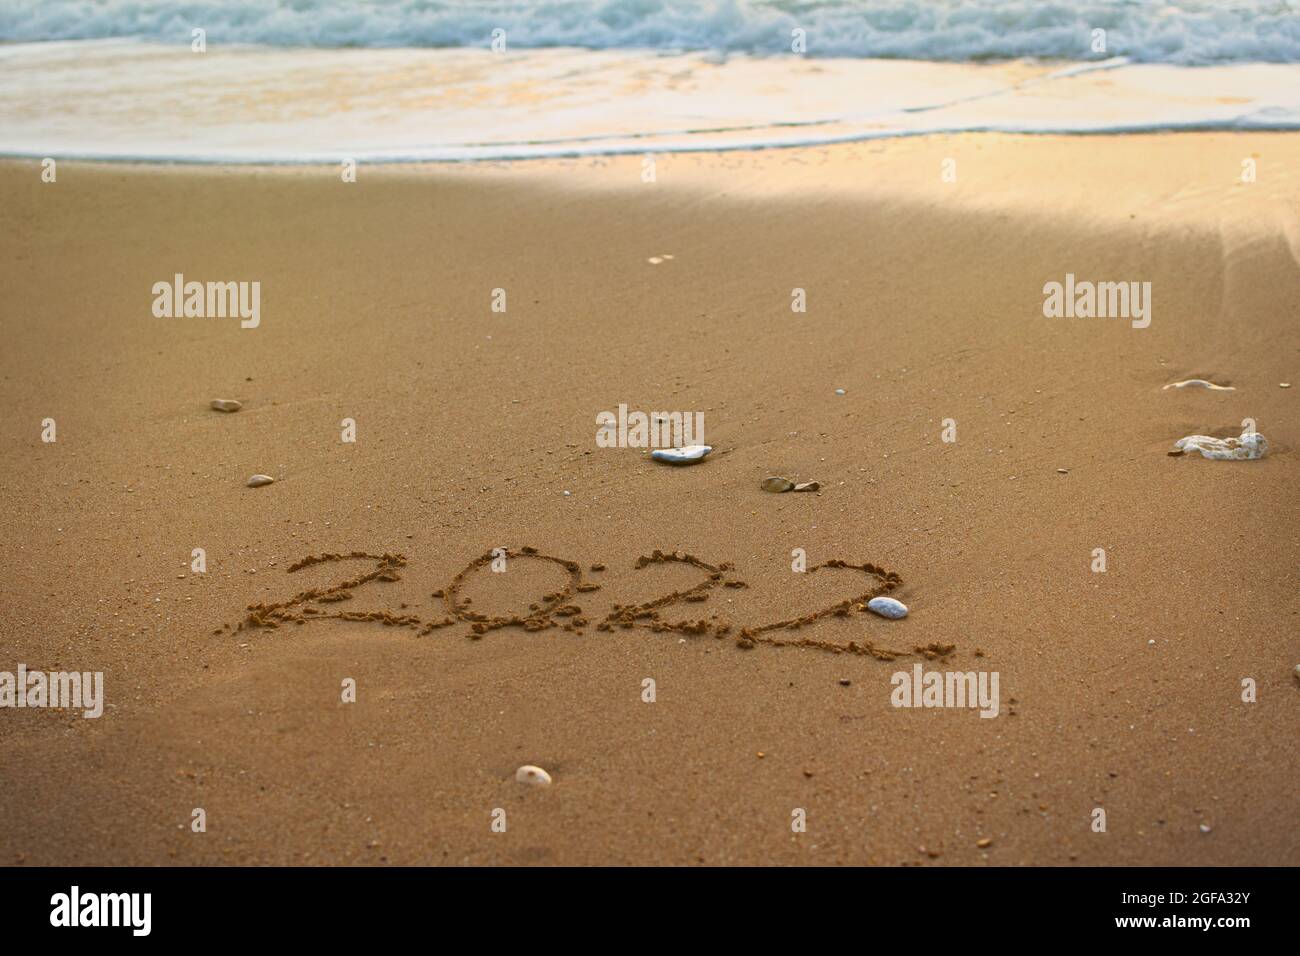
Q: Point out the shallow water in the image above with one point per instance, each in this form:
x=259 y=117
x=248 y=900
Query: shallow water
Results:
x=127 y=99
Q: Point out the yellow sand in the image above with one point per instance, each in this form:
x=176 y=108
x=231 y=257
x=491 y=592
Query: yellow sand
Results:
x=924 y=303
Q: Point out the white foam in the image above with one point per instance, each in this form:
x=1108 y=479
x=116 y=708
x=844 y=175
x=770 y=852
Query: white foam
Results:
x=1155 y=31
x=128 y=100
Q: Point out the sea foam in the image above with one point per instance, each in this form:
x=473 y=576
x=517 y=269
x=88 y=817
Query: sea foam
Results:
x=1147 y=31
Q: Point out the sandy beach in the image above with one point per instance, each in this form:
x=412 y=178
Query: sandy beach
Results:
x=475 y=429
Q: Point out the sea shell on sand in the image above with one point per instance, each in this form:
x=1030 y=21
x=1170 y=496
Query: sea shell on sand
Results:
x=1250 y=445
x=1200 y=383
x=533 y=776
x=887 y=607
x=257 y=481
x=777 y=484
x=226 y=405
x=681 y=456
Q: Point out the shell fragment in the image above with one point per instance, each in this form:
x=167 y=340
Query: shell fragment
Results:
x=1200 y=383
x=776 y=484
x=533 y=776
x=681 y=456
x=1249 y=446
x=226 y=405
x=257 y=481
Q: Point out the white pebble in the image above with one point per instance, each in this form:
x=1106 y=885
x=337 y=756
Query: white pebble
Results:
x=681 y=456
x=226 y=405
x=839 y=391
x=535 y=776
x=257 y=481
x=887 y=607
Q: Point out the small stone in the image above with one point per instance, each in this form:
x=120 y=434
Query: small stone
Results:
x=1283 y=384
x=776 y=484
x=1151 y=643
x=808 y=486
x=533 y=776
x=568 y=494
x=839 y=391
x=984 y=843
x=845 y=682
x=226 y=405
x=1063 y=471
x=1205 y=828
x=686 y=455
x=887 y=607
x=257 y=481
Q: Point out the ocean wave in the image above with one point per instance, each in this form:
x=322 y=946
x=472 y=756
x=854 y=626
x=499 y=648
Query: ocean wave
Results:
x=1196 y=32
x=128 y=99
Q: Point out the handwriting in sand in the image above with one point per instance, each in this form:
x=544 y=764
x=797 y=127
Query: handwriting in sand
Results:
x=560 y=608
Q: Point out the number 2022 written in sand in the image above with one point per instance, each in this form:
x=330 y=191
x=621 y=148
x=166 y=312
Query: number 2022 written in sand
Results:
x=559 y=609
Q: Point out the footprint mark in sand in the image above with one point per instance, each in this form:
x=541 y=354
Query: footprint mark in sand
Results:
x=558 y=609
